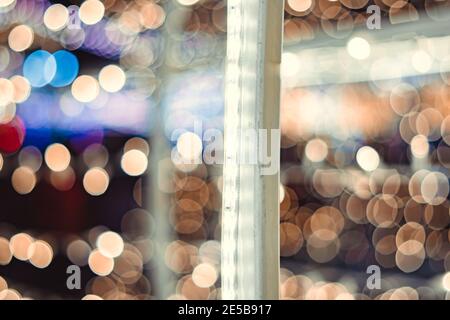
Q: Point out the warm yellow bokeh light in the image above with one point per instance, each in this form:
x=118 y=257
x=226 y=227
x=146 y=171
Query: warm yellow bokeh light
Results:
x=420 y=146
x=10 y=294
x=56 y=17
x=152 y=16
x=6 y=92
x=368 y=158
x=446 y=281
x=40 y=254
x=5 y=255
x=188 y=2
x=6 y=3
x=85 y=89
x=204 y=275
x=22 y=88
x=138 y=144
x=189 y=146
x=3 y=283
x=7 y=113
x=300 y=5
x=110 y=244
x=100 y=264
x=91 y=11
x=19 y=245
x=21 y=38
x=23 y=180
x=57 y=157
x=316 y=150
x=112 y=78
x=63 y=180
x=129 y=22
x=96 y=181
x=91 y=297
x=134 y=162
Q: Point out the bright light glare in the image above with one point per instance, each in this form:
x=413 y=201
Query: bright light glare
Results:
x=367 y=158
x=110 y=244
x=187 y=2
x=189 y=146
x=421 y=61
x=358 y=48
x=6 y=3
x=446 y=281
x=290 y=65
x=420 y=146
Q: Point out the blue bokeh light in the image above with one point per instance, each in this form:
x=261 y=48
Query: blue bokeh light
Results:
x=39 y=68
x=67 y=68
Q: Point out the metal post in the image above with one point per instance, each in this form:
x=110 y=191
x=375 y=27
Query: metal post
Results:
x=250 y=214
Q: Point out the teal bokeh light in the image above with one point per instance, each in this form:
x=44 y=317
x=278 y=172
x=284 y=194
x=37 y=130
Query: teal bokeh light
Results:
x=67 y=68
x=39 y=68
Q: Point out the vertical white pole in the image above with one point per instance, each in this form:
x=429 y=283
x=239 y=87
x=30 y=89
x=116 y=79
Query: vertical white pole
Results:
x=250 y=214
x=163 y=278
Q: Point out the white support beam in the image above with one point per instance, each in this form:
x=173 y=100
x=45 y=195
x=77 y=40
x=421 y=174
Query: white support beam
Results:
x=160 y=169
x=250 y=214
